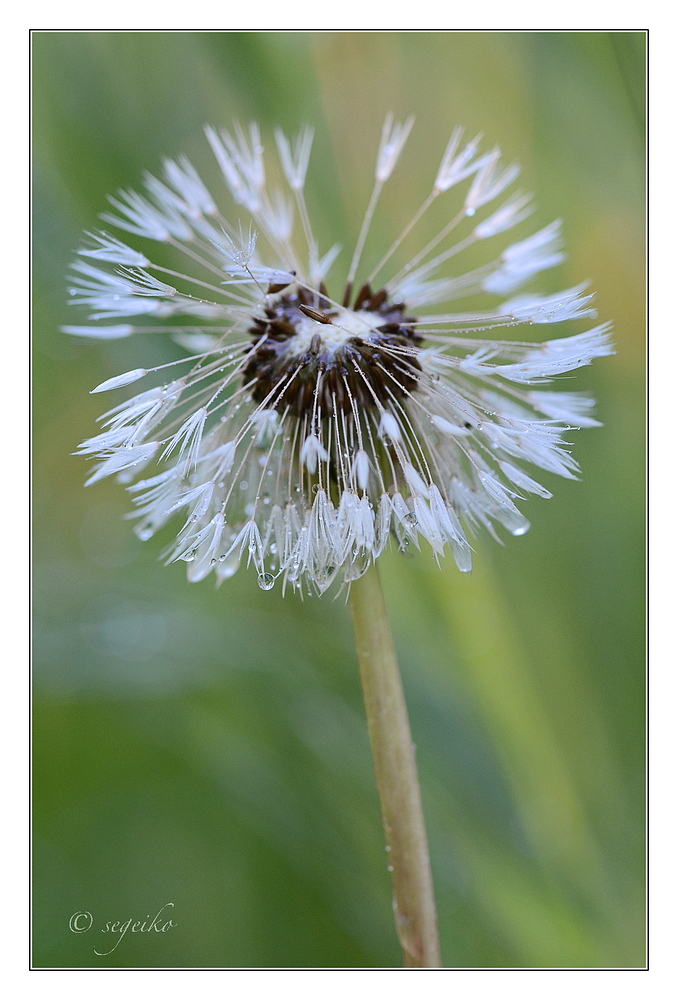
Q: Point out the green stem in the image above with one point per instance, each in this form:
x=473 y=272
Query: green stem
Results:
x=396 y=775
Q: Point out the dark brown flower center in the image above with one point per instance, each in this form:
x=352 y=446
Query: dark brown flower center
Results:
x=310 y=353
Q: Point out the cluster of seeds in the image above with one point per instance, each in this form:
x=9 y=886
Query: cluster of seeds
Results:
x=301 y=433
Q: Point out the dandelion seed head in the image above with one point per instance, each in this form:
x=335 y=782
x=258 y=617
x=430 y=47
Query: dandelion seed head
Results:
x=306 y=430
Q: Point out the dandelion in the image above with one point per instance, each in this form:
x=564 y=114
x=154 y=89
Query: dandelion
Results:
x=349 y=421
x=306 y=428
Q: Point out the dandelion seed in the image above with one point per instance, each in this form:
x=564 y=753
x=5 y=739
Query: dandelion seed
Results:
x=306 y=427
x=100 y=332
x=295 y=163
x=119 y=380
x=240 y=253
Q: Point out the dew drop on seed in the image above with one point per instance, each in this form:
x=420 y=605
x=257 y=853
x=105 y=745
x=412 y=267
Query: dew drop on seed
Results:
x=243 y=485
x=470 y=211
x=410 y=519
x=266 y=581
x=145 y=534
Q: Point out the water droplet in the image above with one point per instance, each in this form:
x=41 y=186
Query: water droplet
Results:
x=266 y=581
x=410 y=519
x=389 y=868
x=244 y=484
x=144 y=534
x=470 y=211
x=190 y=556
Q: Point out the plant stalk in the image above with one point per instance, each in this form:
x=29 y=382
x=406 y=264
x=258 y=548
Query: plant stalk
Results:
x=396 y=775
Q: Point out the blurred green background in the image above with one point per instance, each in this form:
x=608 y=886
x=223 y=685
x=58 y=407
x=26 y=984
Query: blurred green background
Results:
x=208 y=748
